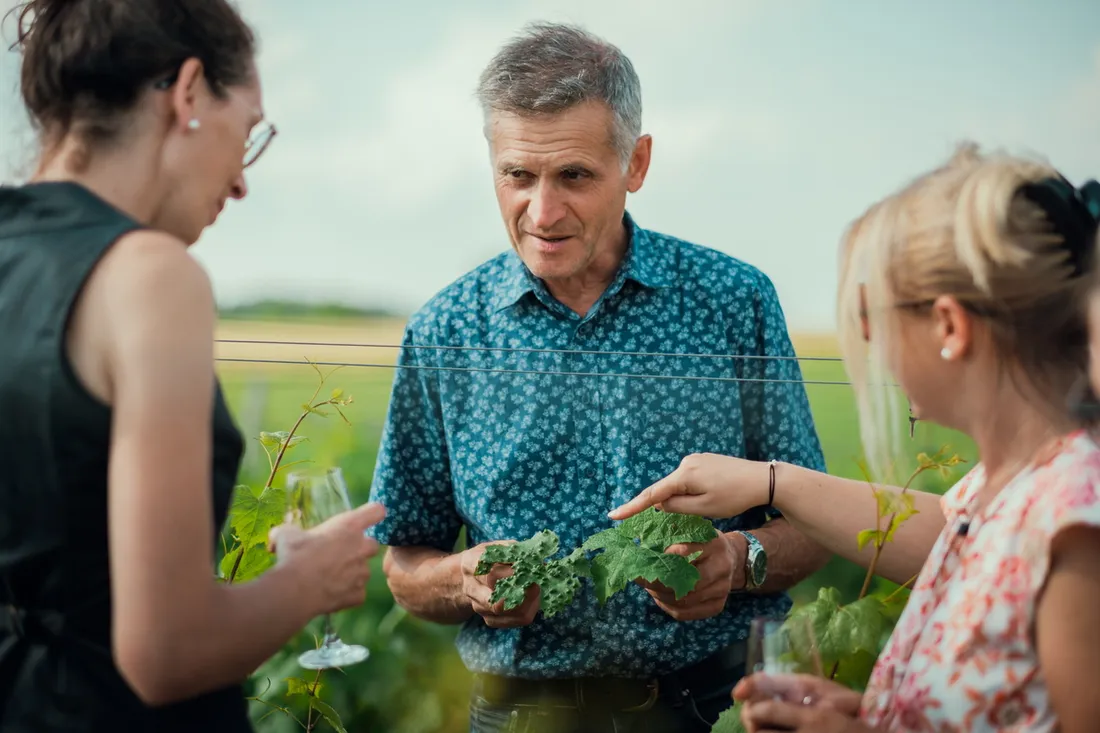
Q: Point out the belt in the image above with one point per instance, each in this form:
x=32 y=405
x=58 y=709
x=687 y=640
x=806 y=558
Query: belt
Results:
x=724 y=667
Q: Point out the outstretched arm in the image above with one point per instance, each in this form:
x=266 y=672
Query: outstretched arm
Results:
x=830 y=510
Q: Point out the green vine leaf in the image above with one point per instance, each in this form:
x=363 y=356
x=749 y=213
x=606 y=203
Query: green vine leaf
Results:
x=729 y=721
x=329 y=714
x=299 y=686
x=837 y=632
x=659 y=530
x=255 y=511
x=275 y=441
x=306 y=407
x=869 y=536
x=256 y=561
x=636 y=549
x=558 y=580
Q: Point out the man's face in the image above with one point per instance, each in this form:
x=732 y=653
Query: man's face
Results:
x=561 y=187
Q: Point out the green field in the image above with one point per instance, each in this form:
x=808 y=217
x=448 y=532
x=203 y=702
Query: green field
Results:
x=414 y=681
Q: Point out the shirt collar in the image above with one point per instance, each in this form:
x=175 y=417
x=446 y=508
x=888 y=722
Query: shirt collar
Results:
x=648 y=263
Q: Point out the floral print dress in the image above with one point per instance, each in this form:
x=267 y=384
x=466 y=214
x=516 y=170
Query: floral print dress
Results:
x=962 y=658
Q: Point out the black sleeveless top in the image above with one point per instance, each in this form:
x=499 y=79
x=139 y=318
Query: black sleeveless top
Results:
x=56 y=668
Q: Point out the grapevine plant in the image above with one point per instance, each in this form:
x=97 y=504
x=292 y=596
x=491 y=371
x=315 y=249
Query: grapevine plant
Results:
x=252 y=514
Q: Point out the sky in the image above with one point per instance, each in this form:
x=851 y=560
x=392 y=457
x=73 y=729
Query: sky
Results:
x=774 y=124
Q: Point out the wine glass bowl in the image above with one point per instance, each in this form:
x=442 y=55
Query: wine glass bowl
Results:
x=314 y=496
x=770 y=650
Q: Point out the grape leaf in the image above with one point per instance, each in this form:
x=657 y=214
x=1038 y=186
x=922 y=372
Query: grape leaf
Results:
x=869 y=536
x=631 y=550
x=254 y=512
x=620 y=565
x=838 y=632
x=255 y=562
x=659 y=530
x=276 y=440
x=855 y=671
x=539 y=547
x=636 y=549
x=299 y=686
x=558 y=580
x=329 y=714
x=729 y=721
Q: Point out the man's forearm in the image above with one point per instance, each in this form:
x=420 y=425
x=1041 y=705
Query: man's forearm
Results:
x=427 y=583
x=792 y=556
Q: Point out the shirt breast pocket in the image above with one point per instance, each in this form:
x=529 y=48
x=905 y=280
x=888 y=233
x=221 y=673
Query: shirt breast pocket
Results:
x=677 y=417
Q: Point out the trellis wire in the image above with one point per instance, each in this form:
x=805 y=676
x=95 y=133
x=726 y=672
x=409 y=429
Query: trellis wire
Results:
x=538 y=372
x=529 y=350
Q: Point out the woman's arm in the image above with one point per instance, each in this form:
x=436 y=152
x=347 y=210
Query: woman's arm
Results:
x=830 y=510
x=1067 y=635
x=176 y=631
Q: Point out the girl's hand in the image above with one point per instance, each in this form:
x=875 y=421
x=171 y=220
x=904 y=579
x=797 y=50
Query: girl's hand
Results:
x=766 y=716
x=798 y=689
x=706 y=484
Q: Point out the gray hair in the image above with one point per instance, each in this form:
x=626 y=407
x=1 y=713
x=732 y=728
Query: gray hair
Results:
x=551 y=67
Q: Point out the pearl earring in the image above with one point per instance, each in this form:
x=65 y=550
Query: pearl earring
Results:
x=945 y=353
x=194 y=124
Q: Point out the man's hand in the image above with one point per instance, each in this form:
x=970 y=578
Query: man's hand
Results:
x=478 y=588
x=721 y=569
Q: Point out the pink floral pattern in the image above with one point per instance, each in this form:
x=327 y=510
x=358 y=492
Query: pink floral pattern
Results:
x=962 y=658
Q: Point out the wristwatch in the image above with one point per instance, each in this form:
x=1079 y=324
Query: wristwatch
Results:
x=756 y=562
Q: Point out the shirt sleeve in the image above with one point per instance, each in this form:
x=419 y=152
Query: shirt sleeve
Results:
x=412 y=476
x=775 y=408
x=1065 y=496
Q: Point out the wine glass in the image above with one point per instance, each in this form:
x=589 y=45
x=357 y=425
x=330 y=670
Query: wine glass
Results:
x=770 y=649
x=313 y=496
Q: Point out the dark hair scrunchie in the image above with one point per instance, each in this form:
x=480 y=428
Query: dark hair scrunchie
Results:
x=1074 y=213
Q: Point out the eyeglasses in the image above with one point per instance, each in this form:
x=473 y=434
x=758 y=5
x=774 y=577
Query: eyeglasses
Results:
x=257 y=143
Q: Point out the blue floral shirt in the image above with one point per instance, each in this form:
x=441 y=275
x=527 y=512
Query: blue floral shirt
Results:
x=543 y=429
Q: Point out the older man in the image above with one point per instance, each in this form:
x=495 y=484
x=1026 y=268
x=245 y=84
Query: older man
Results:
x=553 y=382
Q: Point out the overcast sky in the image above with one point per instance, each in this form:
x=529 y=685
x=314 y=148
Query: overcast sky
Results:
x=774 y=124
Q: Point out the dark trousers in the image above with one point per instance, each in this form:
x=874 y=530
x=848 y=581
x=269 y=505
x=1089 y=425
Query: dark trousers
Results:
x=686 y=701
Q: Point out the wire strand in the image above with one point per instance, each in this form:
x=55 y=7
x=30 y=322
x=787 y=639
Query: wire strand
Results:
x=538 y=372
x=524 y=350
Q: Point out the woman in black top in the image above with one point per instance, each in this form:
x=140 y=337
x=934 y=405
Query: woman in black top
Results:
x=118 y=453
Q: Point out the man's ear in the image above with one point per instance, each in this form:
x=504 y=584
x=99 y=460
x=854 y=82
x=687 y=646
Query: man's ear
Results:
x=639 y=163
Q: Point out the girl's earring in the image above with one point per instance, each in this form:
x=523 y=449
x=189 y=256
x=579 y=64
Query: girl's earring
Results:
x=194 y=124
x=945 y=353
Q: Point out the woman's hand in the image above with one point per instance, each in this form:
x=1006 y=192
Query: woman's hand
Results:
x=797 y=702
x=800 y=689
x=706 y=484
x=767 y=716
x=332 y=557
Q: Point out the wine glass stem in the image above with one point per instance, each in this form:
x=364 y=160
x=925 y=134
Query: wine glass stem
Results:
x=330 y=632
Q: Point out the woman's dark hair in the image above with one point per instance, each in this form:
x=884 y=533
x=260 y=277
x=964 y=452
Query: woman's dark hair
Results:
x=87 y=62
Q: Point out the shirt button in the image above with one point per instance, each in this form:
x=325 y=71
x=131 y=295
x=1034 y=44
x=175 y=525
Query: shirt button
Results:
x=590 y=472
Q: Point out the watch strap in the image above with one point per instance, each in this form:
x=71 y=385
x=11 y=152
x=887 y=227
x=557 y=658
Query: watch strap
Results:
x=754 y=549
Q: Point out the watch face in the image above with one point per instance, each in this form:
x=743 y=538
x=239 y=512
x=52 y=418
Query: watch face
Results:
x=759 y=564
